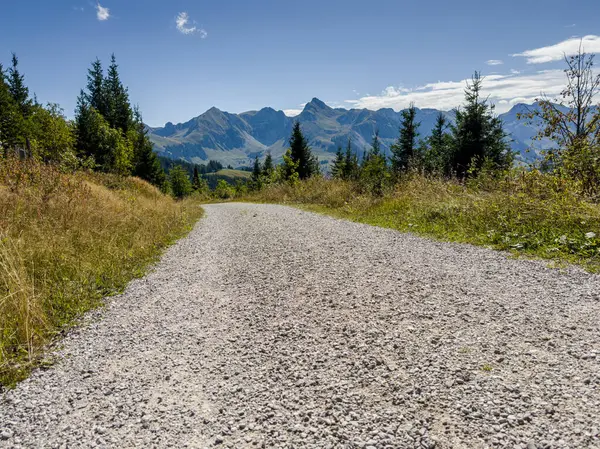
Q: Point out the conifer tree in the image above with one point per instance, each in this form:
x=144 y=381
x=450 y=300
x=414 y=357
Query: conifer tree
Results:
x=438 y=155
x=96 y=93
x=10 y=116
x=256 y=174
x=374 y=171
x=118 y=108
x=351 y=166
x=404 y=150
x=301 y=154
x=18 y=89
x=268 y=166
x=339 y=164
x=478 y=135
x=197 y=183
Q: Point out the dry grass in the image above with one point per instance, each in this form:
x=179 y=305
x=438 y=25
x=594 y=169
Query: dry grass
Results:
x=527 y=213
x=67 y=241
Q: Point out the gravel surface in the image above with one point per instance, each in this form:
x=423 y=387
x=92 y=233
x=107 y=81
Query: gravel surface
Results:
x=272 y=327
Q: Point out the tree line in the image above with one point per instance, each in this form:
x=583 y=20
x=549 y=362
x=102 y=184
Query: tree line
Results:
x=107 y=134
x=474 y=143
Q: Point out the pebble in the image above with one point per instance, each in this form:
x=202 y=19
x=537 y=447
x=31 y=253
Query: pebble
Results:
x=270 y=327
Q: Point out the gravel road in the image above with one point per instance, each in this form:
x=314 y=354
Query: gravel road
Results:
x=271 y=327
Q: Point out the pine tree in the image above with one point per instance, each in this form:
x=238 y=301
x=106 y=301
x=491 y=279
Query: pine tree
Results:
x=338 y=168
x=404 y=150
x=479 y=137
x=96 y=93
x=256 y=174
x=18 y=89
x=10 y=117
x=301 y=154
x=374 y=173
x=196 y=179
x=438 y=156
x=118 y=108
x=268 y=166
x=351 y=166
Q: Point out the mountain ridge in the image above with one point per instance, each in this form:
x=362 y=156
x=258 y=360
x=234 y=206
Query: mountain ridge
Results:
x=235 y=139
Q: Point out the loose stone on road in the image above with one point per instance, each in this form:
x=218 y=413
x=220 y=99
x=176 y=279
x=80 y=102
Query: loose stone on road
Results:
x=272 y=327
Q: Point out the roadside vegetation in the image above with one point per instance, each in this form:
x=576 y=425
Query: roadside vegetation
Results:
x=460 y=183
x=85 y=207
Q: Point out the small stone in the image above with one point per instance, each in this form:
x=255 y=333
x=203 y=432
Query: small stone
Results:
x=5 y=434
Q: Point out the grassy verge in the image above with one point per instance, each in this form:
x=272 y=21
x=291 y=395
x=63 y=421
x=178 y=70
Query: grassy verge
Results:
x=529 y=214
x=67 y=241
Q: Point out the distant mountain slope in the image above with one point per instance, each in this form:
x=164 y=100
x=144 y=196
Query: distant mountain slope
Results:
x=237 y=138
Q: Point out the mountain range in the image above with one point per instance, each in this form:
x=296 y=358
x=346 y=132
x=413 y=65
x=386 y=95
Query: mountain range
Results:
x=236 y=139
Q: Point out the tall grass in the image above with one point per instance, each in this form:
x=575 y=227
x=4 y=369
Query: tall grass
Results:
x=67 y=241
x=527 y=213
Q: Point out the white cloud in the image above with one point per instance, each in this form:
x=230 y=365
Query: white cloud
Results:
x=556 y=52
x=184 y=27
x=515 y=72
x=494 y=62
x=502 y=90
x=292 y=112
x=102 y=13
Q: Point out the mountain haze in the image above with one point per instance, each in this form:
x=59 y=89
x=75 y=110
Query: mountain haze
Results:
x=237 y=138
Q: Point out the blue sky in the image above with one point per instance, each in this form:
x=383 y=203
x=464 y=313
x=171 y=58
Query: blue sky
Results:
x=181 y=57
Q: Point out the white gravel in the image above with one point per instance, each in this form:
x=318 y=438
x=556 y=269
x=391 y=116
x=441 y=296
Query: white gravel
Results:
x=272 y=327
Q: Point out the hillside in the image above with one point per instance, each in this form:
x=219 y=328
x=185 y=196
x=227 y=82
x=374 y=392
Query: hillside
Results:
x=237 y=138
x=228 y=175
x=68 y=240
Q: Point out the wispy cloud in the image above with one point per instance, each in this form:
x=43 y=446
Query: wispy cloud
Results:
x=502 y=90
x=185 y=26
x=494 y=62
x=556 y=52
x=102 y=13
x=294 y=111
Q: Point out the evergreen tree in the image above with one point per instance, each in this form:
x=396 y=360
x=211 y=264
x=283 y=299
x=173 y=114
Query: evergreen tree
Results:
x=438 y=155
x=339 y=165
x=96 y=93
x=118 y=108
x=478 y=135
x=301 y=154
x=180 y=182
x=256 y=174
x=196 y=179
x=256 y=169
x=268 y=166
x=351 y=166
x=10 y=116
x=404 y=150
x=374 y=173
x=18 y=89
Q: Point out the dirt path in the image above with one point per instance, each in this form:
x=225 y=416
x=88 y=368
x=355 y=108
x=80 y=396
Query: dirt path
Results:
x=271 y=327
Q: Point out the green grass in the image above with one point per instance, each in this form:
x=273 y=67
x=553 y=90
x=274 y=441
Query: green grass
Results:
x=66 y=242
x=528 y=214
x=234 y=174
